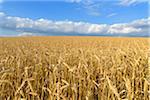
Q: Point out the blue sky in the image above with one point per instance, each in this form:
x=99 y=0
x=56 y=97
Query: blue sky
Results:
x=74 y=17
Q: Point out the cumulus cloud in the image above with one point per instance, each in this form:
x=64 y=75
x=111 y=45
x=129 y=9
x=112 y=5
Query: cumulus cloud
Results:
x=123 y=28
x=137 y=26
x=2 y=14
x=26 y=34
x=28 y=26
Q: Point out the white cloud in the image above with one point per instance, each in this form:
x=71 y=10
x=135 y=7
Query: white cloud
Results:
x=92 y=7
x=73 y=1
x=112 y=14
x=123 y=28
x=2 y=14
x=137 y=27
x=130 y=2
x=26 y=34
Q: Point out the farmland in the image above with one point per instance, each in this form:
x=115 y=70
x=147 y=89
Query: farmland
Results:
x=74 y=68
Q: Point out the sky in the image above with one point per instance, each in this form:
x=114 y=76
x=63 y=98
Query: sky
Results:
x=74 y=17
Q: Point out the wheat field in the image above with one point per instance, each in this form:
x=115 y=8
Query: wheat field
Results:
x=74 y=68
